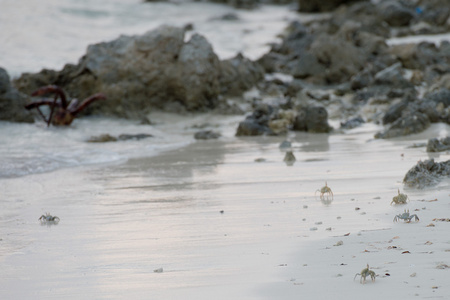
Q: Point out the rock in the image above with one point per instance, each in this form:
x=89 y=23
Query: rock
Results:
x=361 y=80
x=439 y=96
x=395 y=14
x=393 y=76
x=139 y=136
x=426 y=173
x=406 y=125
x=206 y=135
x=342 y=58
x=312 y=119
x=352 y=123
x=103 y=138
x=258 y=122
x=320 y=5
x=158 y=69
x=12 y=102
x=305 y=66
x=420 y=56
x=250 y=127
x=394 y=112
x=436 y=145
x=238 y=75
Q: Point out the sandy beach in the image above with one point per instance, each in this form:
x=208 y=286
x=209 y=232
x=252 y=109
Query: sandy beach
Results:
x=208 y=221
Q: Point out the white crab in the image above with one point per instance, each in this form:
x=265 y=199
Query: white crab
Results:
x=400 y=198
x=406 y=217
x=48 y=218
x=364 y=273
x=325 y=190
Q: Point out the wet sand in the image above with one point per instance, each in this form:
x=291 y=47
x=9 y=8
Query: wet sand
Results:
x=221 y=225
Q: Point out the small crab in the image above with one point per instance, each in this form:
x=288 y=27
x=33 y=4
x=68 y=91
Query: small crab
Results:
x=48 y=218
x=400 y=198
x=324 y=190
x=364 y=273
x=406 y=217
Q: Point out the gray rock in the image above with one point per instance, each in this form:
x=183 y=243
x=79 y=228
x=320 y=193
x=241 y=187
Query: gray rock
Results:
x=439 y=96
x=5 y=84
x=12 y=102
x=305 y=66
x=250 y=127
x=361 y=80
x=342 y=58
x=139 y=136
x=158 y=69
x=206 y=135
x=395 y=14
x=394 y=112
x=312 y=119
x=352 y=123
x=393 y=76
x=438 y=145
x=426 y=173
x=238 y=75
x=103 y=138
x=406 y=125
x=320 y=5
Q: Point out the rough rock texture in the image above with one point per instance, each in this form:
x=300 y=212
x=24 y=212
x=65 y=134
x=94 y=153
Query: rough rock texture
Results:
x=395 y=14
x=330 y=54
x=12 y=102
x=406 y=125
x=155 y=70
x=206 y=135
x=320 y=5
x=238 y=74
x=257 y=123
x=312 y=119
x=438 y=145
x=426 y=173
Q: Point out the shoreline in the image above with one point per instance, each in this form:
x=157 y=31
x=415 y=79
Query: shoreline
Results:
x=120 y=223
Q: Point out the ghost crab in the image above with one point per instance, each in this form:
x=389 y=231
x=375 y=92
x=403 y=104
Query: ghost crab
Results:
x=400 y=198
x=364 y=273
x=66 y=110
x=48 y=218
x=325 y=191
x=406 y=217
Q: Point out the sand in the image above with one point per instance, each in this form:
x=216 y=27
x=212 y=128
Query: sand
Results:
x=215 y=224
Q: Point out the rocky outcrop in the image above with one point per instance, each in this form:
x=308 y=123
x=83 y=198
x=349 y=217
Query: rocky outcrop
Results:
x=273 y=120
x=426 y=173
x=406 y=125
x=312 y=119
x=257 y=123
x=438 y=145
x=155 y=70
x=12 y=102
x=320 y=5
x=409 y=117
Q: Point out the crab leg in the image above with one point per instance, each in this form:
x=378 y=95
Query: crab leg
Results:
x=52 y=89
x=39 y=103
x=87 y=101
x=53 y=109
